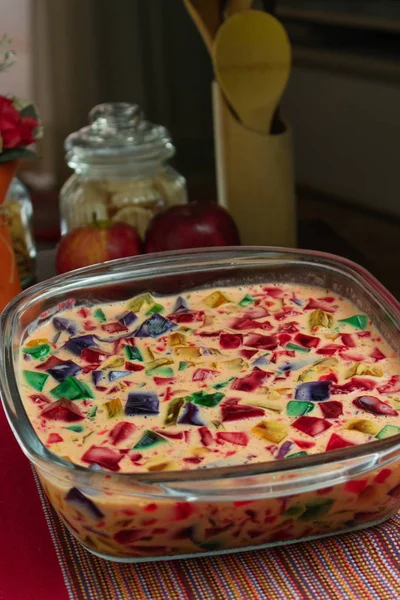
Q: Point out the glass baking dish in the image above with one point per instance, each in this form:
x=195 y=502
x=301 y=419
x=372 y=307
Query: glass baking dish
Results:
x=175 y=514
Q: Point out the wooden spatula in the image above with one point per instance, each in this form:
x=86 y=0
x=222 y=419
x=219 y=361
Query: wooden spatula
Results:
x=252 y=56
x=207 y=16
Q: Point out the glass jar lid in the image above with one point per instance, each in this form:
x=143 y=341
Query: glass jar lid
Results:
x=118 y=134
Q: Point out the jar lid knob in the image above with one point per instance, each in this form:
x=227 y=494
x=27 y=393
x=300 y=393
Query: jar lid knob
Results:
x=115 y=116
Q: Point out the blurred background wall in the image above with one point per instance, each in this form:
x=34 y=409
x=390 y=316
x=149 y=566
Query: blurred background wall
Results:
x=342 y=100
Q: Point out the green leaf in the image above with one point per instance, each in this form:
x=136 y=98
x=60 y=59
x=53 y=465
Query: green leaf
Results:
x=16 y=153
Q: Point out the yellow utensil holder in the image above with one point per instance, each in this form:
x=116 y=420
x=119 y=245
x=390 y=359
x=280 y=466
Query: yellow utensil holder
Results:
x=255 y=178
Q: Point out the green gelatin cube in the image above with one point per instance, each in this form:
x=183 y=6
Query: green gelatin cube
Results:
x=297 y=348
x=388 y=431
x=35 y=380
x=316 y=509
x=296 y=454
x=160 y=372
x=76 y=428
x=92 y=412
x=223 y=384
x=357 y=321
x=247 y=300
x=203 y=399
x=295 y=511
x=99 y=315
x=38 y=351
x=297 y=408
x=156 y=308
x=148 y=440
x=133 y=353
x=174 y=407
x=72 y=389
x=183 y=365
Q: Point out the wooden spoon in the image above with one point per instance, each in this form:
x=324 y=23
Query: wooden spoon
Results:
x=252 y=57
x=234 y=6
x=206 y=15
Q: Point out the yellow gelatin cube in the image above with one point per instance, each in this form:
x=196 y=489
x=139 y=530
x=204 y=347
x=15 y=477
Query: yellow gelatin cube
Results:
x=373 y=371
x=162 y=466
x=215 y=299
x=208 y=321
x=113 y=407
x=114 y=363
x=363 y=425
x=159 y=362
x=283 y=391
x=264 y=403
x=235 y=364
x=37 y=342
x=273 y=431
x=139 y=301
x=331 y=336
x=189 y=353
x=147 y=354
x=202 y=451
x=319 y=318
x=177 y=339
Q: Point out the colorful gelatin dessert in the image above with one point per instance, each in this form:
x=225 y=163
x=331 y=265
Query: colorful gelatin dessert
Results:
x=213 y=378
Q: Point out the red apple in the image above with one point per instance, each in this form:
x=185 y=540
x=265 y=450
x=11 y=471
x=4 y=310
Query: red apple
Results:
x=194 y=225
x=95 y=244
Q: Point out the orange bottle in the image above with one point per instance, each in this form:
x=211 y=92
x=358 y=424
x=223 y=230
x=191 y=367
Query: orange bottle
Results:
x=9 y=280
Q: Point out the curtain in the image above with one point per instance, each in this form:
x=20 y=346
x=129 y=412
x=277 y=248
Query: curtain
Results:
x=92 y=51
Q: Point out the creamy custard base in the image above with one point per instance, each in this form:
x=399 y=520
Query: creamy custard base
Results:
x=211 y=378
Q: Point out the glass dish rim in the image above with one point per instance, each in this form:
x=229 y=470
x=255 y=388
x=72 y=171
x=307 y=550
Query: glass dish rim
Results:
x=164 y=263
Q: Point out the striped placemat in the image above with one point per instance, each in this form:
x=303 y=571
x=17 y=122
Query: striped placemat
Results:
x=350 y=567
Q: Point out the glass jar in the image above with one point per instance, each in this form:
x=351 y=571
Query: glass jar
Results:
x=19 y=211
x=121 y=171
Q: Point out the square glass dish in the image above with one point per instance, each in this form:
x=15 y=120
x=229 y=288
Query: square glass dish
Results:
x=176 y=514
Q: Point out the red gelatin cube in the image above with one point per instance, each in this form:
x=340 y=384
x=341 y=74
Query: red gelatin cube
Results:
x=62 y=410
x=330 y=349
x=391 y=387
x=304 y=444
x=290 y=327
x=54 y=438
x=89 y=326
x=355 y=486
x=39 y=399
x=348 y=340
x=329 y=377
x=274 y=292
x=314 y=304
x=257 y=312
x=104 y=457
x=374 y=406
x=383 y=475
x=248 y=354
x=377 y=355
x=115 y=327
x=49 y=364
x=354 y=356
x=203 y=374
x=84 y=312
x=355 y=384
x=230 y=341
x=130 y=366
x=307 y=341
x=332 y=409
x=121 y=431
x=284 y=338
x=127 y=536
x=336 y=442
x=93 y=355
x=311 y=425
x=151 y=507
x=251 y=382
x=233 y=411
x=263 y=342
x=183 y=510
x=163 y=380
x=234 y=437
x=206 y=437
x=168 y=434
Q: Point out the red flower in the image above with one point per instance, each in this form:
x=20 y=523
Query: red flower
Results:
x=15 y=131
